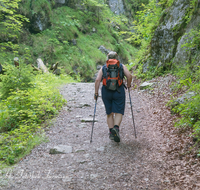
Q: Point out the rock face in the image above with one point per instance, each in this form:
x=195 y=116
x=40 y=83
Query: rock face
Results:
x=116 y=6
x=38 y=15
x=170 y=35
x=184 y=54
x=39 y=23
x=69 y=3
x=60 y=1
x=104 y=50
x=40 y=19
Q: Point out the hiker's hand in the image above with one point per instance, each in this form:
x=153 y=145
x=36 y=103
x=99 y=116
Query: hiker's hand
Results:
x=96 y=95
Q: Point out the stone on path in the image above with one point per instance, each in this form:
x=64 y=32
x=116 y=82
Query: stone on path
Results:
x=101 y=149
x=82 y=125
x=87 y=155
x=93 y=176
x=79 y=150
x=83 y=105
x=67 y=179
x=72 y=120
x=82 y=161
x=61 y=149
x=145 y=85
x=88 y=120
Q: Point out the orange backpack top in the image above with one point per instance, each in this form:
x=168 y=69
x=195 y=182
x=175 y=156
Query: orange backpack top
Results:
x=113 y=74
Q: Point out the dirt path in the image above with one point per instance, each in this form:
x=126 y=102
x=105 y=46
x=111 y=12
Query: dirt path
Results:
x=103 y=164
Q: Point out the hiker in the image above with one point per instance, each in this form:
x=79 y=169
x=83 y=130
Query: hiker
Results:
x=112 y=92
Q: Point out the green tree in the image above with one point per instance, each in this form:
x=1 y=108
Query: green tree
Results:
x=95 y=6
x=10 y=25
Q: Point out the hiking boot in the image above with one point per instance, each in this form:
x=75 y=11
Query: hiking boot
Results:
x=111 y=137
x=115 y=133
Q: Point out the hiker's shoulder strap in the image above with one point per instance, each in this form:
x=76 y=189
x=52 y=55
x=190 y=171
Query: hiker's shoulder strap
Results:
x=121 y=69
x=104 y=70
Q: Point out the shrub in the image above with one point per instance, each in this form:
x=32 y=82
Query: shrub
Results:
x=16 y=78
x=23 y=113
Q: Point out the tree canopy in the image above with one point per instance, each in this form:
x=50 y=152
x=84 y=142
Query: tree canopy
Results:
x=10 y=24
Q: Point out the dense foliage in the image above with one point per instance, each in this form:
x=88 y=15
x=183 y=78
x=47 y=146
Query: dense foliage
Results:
x=189 y=81
x=10 y=25
x=144 y=25
x=16 y=79
x=25 y=108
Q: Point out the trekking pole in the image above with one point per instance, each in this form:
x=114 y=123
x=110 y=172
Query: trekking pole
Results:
x=132 y=112
x=93 y=120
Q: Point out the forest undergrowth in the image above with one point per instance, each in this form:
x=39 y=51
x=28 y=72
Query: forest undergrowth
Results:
x=28 y=101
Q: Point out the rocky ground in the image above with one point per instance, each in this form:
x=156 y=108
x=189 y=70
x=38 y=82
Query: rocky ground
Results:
x=159 y=158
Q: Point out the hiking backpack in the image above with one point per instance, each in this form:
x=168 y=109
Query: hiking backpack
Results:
x=113 y=74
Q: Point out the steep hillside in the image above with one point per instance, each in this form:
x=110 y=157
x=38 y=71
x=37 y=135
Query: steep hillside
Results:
x=172 y=44
x=71 y=34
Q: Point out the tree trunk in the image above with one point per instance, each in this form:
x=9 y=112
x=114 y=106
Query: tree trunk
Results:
x=35 y=68
x=54 y=66
x=42 y=66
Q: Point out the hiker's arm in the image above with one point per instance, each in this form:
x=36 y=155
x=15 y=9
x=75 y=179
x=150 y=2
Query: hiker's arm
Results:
x=128 y=76
x=98 y=81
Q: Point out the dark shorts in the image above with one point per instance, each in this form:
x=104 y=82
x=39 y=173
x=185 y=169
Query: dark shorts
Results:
x=113 y=100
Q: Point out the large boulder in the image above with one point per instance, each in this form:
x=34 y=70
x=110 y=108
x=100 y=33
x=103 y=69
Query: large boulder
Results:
x=184 y=97
x=60 y=2
x=181 y=100
x=183 y=54
x=104 y=50
x=165 y=40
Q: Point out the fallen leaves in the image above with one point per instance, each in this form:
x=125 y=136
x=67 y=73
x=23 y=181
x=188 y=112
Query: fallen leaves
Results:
x=179 y=153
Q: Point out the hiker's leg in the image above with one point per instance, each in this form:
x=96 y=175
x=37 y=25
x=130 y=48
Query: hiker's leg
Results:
x=117 y=119
x=118 y=105
x=110 y=120
x=114 y=132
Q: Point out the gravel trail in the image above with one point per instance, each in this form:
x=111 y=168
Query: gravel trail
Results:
x=100 y=165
